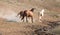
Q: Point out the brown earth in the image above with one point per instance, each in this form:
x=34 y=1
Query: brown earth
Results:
x=52 y=16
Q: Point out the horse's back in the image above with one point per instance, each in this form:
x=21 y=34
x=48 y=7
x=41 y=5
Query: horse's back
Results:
x=30 y=13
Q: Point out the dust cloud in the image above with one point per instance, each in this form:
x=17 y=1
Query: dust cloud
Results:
x=10 y=16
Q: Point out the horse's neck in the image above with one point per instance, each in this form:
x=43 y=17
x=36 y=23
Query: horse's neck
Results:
x=42 y=11
x=32 y=10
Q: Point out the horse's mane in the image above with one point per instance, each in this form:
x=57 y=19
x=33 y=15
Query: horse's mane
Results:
x=32 y=9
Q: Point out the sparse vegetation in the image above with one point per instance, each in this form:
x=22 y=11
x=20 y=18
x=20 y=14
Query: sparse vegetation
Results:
x=37 y=28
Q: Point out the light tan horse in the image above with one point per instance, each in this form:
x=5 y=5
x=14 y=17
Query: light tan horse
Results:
x=41 y=14
x=27 y=13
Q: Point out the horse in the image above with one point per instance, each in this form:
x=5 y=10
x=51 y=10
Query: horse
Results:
x=21 y=14
x=27 y=13
x=41 y=14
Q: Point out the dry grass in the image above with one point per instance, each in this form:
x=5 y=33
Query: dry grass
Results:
x=18 y=28
x=56 y=30
x=23 y=28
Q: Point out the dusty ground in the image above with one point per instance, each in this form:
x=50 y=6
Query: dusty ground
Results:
x=23 y=28
x=51 y=19
x=17 y=28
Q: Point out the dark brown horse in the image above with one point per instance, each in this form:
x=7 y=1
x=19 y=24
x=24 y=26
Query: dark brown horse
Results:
x=27 y=13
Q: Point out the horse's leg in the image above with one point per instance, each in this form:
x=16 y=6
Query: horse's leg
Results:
x=40 y=17
x=23 y=18
x=26 y=19
x=32 y=19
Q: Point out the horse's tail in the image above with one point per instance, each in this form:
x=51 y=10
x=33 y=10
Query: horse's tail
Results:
x=20 y=13
x=17 y=14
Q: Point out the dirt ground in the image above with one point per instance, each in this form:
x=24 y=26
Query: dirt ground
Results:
x=21 y=28
x=50 y=20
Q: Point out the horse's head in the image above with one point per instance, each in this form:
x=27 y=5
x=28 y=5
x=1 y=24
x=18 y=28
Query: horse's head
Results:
x=42 y=10
x=32 y=9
